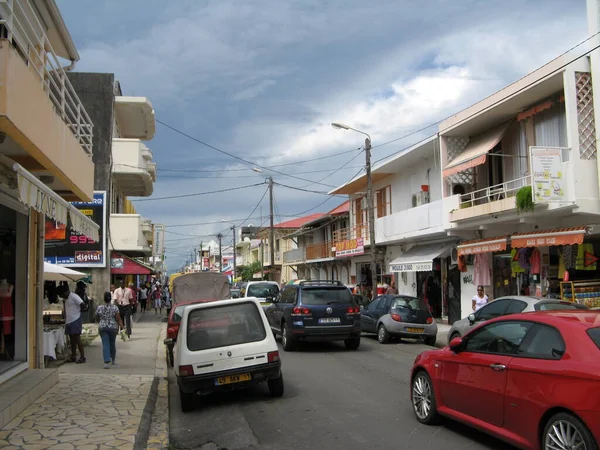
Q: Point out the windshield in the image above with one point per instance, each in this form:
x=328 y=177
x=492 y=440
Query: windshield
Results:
x=555 y=306
x=326 y=296
x=594 y=333
x=402 y=302
x=222 y=326
x=262 y=290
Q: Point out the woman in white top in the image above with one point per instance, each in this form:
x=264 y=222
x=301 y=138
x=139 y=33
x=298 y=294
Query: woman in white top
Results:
x=480 y=299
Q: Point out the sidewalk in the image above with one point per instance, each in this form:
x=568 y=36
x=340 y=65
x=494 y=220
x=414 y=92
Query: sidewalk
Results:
x=92 y=407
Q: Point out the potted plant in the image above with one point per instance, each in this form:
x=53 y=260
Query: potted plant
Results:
x=524 y=200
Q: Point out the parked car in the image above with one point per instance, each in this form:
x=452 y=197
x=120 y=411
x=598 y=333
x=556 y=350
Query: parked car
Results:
x=508 y=305
x=264 y=291
x=225 y=345
x=315 y=311
x=361 y=300
x=530 y=379
x=398 y=316
x=235 y=293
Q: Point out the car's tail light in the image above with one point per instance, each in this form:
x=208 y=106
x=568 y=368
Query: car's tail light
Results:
x=186 y=371
x=273 y=356
x=301 y=311
x=353 y=310
x=171 y=332
x=397 y=317
x=430 y=320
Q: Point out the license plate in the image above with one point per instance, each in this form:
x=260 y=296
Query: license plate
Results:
x=233 y=379
x=329 y=320
x=415 y=330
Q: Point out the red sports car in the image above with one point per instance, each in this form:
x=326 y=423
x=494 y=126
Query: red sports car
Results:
x=532 y=380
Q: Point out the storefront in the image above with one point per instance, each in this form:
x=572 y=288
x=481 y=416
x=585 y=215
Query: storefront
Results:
x=127 y=270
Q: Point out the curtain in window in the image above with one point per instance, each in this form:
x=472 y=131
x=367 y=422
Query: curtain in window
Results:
x=551 y=127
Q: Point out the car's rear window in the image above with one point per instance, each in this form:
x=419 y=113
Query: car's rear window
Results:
x=556 y=306
x=402 y=302
x=594 y=333
x=326 y=296
x=221 y=326
x=262 y=290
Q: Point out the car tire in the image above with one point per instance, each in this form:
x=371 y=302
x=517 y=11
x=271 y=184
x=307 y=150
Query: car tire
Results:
x=422 y=398
x=352 y=343
x=276 y=386
x=187 y=401
x=287 y=343
x=563 y=426
x=382 y=334
x=170 y=357
x=430 y=340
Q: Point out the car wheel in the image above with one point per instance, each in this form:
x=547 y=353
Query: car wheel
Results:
x=170 y=357
x=430 y=340
x=565 y=431
x=187 y=401
x=423 y=399
x=382 y=335
x=287 y=343
x=276 y=386
x=352 y=343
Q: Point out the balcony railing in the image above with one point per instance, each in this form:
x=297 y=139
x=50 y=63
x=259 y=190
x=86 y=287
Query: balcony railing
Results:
x=494 y=193
x=295 y=255
x=319 y=251
x=355 y=232
x=21 y=25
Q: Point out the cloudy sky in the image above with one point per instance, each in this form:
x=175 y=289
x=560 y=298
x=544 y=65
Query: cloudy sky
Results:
x=263 y=80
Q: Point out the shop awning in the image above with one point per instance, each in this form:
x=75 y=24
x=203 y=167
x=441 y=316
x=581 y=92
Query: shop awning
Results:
x=548 y=238
x=122 y=265
x=476 y=151
x=487 y=245
x=419 y=258
x=35 y=194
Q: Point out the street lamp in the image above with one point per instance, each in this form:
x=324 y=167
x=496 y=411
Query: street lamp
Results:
x=371 y=211
x=271 y=227
x=232 y=227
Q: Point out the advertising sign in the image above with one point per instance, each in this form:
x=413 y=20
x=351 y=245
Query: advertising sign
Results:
x=67 y=247
x=548 y=180
x=412 y=267
x=159 y=240
x=350 y=247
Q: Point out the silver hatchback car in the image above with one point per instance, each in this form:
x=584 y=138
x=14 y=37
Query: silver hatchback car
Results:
x=503 y=306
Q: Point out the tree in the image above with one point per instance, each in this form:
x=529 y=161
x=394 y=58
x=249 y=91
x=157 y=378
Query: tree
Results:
x=247 y=272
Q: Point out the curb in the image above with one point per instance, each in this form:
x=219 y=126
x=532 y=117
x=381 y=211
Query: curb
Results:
x=158 y=437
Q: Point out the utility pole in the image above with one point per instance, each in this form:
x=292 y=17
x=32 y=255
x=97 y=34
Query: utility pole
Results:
x=271 y=231
x=234 y=252
x=201 y=257
x=262 y=250
x=371 y=213
x=220 y=236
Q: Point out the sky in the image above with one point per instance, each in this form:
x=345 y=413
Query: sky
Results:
x=262 y=80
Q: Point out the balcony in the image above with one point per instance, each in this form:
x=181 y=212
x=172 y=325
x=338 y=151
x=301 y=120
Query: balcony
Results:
x=135 y=117
x=126 y=235
x=354 y=232
x=132 y=167
x=47 y=130
x=321 y=250
x=296 y=255
x=419 y=221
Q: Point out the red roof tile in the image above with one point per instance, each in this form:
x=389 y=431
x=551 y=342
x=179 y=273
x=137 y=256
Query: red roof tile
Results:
x=297 y=223
x=341 y=209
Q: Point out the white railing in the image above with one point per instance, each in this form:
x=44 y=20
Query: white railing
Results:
x=21 y=26
x=494 y=193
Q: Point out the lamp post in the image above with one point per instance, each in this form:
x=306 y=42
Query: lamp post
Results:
x=370 y=208
x=220 y=236
x=271 y=226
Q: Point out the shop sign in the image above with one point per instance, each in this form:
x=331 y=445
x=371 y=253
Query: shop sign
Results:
x=412 y=267
x=68 y=247
x=159 y=240
x=117 y=263
x=548 y=181
x=484 y=247
x=350 y=247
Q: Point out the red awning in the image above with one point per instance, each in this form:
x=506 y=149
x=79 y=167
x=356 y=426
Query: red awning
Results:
x=487 y=245
x=123 y=265
x=549 y=238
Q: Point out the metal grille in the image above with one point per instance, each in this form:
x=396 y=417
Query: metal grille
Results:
x=455 y=145
x=585 y=115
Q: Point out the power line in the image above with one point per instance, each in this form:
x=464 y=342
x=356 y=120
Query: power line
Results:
x=342 y=167
x=242 y=176
x=197 y=193
x=255 y=208
x=303 y=190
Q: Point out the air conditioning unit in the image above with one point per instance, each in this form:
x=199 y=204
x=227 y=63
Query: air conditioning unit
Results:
x=420 y=198
x=454 y=256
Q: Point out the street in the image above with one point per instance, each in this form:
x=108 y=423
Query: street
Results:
x=334 y=399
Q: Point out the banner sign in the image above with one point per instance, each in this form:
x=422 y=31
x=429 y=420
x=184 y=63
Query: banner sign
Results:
x=159 y=240
x=482 y=247
x=350 y=247
x=412 y=267
x=67 y=247
x=548 y=180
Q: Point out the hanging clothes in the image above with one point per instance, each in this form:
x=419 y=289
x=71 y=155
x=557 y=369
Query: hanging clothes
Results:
x=536 y=261
x=515 y=267
x=570 y=253
x=561 y=265
x=481 y=273
x=7 y=314
x=462 y=265
x=585 y=257
x=523 y=258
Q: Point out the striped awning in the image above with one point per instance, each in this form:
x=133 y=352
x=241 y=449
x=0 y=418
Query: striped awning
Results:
x=478 y=246
x=549 y=238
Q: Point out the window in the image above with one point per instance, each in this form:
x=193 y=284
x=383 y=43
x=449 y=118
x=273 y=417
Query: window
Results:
x=375 y=304
x=262 y=290
x=409 y=303
x=545 y=343
x=178 y=314
x=494 y=309
x=515 y=307
x=503 y=338
x=326 y=296
x=289 y=295
x=594 y=334
x=222 y=326
x=387 y=302
x=383 y=199
x=555 y=306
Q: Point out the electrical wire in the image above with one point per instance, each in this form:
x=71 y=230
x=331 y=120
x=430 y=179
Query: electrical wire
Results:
x=197 y=193
x=335 y=171
x=255 y=208
x=244 y=176
x=303 y=190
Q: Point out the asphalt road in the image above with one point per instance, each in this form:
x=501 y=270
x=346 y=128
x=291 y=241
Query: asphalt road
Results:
x=334 y=399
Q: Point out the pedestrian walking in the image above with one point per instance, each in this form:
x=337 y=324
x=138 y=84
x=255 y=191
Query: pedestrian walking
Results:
x=134 y=298
x=167 y=297
x=143 y=298
x=157 y=298
x=109 y=323
x=479 y=300
x=73 y=323
x=122 y=296
x=392 y=290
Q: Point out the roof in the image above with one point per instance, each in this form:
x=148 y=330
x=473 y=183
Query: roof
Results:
x=297 y=223
x=341 y=209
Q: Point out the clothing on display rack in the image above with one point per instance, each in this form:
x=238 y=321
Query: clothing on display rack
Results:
x=481 y=272
x=536 y=261
x=515 y=265
x=7 y=314
x=585 y=259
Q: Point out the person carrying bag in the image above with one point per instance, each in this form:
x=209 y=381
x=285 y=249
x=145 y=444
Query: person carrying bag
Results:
x=109 y=323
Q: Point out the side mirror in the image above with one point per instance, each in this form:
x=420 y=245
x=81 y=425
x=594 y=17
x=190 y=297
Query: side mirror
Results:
x=168 y=342
x=270 y=299
x=456 y=344
x=471 y=318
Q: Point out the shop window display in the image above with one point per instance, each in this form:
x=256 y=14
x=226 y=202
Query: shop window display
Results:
x=8 y=245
